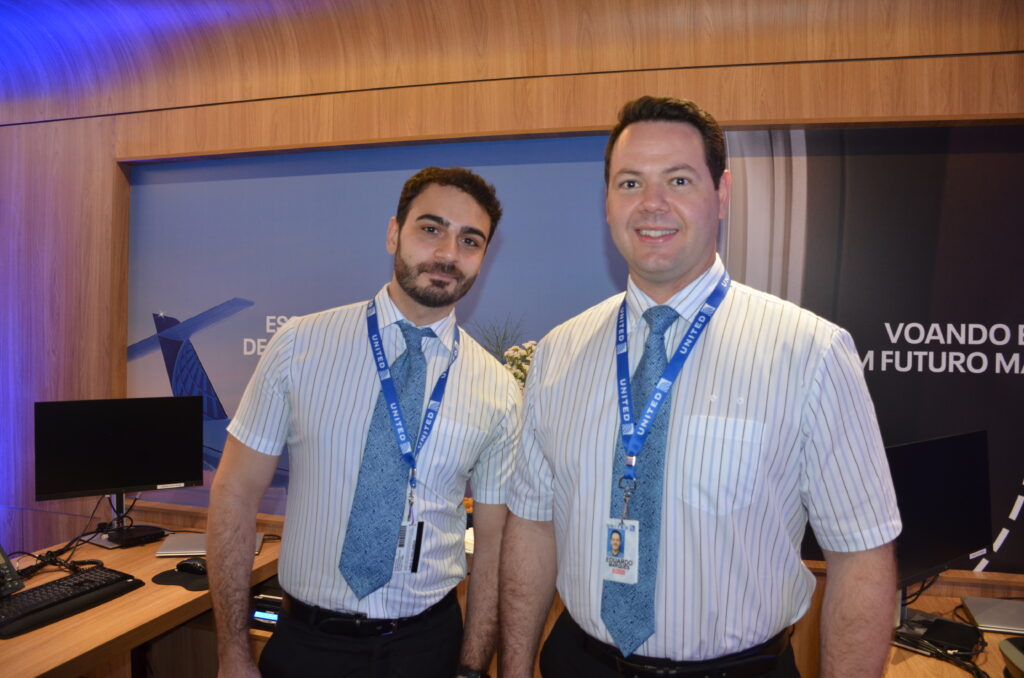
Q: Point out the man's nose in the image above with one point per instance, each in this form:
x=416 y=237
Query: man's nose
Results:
x=653 y=198
x=447 y=248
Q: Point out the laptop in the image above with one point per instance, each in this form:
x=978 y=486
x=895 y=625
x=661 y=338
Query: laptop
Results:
x=183 y=544
x=995 y=614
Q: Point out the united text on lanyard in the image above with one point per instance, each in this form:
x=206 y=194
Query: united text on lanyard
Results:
x=408 y=451
x=634 y=433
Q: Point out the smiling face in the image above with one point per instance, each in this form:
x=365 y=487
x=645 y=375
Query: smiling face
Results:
x=662 y=205
x=438 y=252
x=616 y=540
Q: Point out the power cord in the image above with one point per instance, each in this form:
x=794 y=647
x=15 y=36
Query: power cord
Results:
x=961 y=659
x=911 y=598
x=55 y=557
x=125 y=518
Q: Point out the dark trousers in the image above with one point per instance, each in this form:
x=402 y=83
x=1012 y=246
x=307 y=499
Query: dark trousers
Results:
x=427 y=649
x=564 y=656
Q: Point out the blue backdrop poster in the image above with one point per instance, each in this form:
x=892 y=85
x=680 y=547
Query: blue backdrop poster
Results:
x=223 y=251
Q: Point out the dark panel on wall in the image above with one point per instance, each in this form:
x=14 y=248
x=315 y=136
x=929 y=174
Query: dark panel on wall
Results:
x=930 y=282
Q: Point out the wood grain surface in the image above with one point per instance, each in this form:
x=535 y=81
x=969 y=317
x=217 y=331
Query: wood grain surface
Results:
x=106 y=633
x=202 y=52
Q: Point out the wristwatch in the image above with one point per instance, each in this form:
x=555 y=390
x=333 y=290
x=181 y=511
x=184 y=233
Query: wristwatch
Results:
x=466 y=672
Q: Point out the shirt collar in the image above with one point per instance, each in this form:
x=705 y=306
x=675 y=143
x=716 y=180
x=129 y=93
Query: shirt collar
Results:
x=686 y=301
x=388 y=314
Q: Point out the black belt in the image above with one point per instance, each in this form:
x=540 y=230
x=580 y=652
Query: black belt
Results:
x=755 y=661
x=356 y=625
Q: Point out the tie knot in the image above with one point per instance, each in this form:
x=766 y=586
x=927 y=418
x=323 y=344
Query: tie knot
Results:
x=660 y=318
x=414 y=335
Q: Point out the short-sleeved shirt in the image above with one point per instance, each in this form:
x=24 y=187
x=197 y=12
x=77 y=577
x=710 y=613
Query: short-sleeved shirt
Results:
x=315 y=389
x=771 y=425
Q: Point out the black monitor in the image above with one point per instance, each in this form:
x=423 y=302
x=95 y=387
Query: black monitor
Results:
x=942 y=488
x=88 y=448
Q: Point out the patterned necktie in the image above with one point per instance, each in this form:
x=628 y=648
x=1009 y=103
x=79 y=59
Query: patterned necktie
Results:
x=628 y=609
x=371 y=537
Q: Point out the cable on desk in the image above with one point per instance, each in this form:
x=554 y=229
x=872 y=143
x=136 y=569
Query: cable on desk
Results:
x=911 y=598
x=962 y=660
x=955 y=658
x=54 y=557
x=125 y=518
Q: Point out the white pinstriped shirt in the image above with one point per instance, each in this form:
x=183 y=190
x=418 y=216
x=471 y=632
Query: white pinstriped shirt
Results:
x=771 y=424
x=315 y=388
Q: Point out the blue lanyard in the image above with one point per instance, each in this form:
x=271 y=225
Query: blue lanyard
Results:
x=634 y=435
x=387 y=387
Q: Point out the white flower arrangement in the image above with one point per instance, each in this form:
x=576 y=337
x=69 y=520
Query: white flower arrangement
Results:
x=518 y=360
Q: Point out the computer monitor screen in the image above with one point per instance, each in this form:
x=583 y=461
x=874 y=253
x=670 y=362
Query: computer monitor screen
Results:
x=94 y=447
x=942 y=488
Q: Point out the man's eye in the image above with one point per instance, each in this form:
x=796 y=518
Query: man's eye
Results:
x=430 y=229
x=470 y=242
x=680 y=181
x=629 y=183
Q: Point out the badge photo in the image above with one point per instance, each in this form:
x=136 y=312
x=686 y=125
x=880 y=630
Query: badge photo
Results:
x=619 y=551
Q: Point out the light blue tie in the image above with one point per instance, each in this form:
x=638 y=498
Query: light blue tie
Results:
x=371 y=537
x=628 y=609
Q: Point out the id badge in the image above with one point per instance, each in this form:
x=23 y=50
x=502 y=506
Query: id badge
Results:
x=410 y=540
x=619 y=561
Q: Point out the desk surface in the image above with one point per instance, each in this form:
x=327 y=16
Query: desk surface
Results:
x=75 y=644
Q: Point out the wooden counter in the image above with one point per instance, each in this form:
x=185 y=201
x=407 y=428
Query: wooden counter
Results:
x=99 y=641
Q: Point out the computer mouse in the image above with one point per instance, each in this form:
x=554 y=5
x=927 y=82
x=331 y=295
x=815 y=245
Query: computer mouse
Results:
x=192 y=566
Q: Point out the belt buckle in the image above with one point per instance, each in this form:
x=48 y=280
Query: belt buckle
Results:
x=629 y=670
x=334 y=626
x=622 y=668
x=337 y=624
x=391 y=625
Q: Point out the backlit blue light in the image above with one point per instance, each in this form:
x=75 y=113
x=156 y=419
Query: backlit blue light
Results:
x=66 y=47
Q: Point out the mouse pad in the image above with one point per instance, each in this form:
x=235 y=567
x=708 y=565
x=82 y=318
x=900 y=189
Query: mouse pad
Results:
x=186 y=580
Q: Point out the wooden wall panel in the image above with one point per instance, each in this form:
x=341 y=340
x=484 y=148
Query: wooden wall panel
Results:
x=427 y=70
x=925 y=89
x=61 y=333
x=192 y=53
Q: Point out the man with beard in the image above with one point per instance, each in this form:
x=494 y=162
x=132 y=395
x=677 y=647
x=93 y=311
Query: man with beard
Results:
x=373 y=539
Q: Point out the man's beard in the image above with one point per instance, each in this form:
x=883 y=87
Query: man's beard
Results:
x=431 y=295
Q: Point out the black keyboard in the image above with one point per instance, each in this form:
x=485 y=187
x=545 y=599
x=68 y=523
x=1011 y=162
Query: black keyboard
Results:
x=44 y=604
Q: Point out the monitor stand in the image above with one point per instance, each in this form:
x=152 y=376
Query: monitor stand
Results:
x=126 y=536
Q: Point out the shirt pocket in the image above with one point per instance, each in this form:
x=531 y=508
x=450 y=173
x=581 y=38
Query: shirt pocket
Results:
x=444 y=466
x=719 y=465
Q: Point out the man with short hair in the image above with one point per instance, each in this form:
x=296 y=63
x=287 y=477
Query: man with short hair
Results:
x=708 y=422
x=615 y=543
x=388 y=409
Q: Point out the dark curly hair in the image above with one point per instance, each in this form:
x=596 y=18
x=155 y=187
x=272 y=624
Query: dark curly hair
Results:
x=461 y=178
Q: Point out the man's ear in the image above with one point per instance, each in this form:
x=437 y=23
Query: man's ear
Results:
x=724 y=190
x=393 y=229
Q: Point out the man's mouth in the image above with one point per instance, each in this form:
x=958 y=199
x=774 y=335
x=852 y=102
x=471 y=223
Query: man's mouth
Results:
x=656 y=233
x=443 y=272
